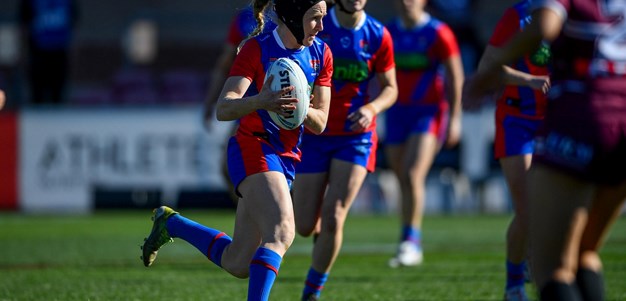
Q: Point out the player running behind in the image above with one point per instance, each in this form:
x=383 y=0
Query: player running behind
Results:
x=261 y=155
x=519 y=112
x=426 y=114
x=577 y=182
x=335 y=163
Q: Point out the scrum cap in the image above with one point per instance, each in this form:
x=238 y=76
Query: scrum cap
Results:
x=291 y=13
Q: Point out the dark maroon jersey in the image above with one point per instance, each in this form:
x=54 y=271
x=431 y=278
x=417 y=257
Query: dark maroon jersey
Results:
x=585 y=126
x=592 y=43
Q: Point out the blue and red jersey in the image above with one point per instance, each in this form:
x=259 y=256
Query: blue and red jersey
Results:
x=420 y=53
x=252 y=62
x=358 y=55
x=520 y=100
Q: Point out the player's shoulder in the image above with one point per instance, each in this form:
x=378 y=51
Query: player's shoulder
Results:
x=246 y=12
x=250 y=46
x=377 y=29
x=264 y=38
x=521 y=6
x=436 y=23
x=373 y=23
x=318 y=44
x=517 y=11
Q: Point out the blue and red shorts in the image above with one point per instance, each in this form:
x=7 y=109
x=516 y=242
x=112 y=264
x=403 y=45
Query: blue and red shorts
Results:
x=515 y=133
x=249 y=155
x=319 y=150
x=403 y=121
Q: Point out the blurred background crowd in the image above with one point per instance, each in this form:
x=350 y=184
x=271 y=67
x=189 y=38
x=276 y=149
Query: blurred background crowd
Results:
x=138 y=52
x=104 y=105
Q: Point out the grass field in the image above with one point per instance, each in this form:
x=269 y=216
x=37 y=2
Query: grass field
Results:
x=97 y=258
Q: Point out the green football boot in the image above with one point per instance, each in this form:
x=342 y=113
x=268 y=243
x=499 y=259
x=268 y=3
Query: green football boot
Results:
x=158 y=236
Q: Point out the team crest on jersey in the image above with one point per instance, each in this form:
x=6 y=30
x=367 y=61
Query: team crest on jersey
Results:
x=315 y=64
x=364 y=45
x=345 y=42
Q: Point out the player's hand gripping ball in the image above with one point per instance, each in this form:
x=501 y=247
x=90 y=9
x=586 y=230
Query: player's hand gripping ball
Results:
x=288 y=73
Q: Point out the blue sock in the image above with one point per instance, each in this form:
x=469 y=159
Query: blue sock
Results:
x=314 y=283
x=209 y=241
x=515 y=274
x=410 y=233
x=263 y=271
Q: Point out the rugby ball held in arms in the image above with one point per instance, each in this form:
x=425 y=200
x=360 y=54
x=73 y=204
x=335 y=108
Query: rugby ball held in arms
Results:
x=288 y=73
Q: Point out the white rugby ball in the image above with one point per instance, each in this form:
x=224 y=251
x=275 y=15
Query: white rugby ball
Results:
x=288 y=73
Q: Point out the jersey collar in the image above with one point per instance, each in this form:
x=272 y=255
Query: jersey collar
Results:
x=333 y=17
x=280 y=42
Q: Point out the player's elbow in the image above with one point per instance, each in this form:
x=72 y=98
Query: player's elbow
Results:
x=224 y=112
x=223 y=115
x=317 y=130
x=220 y=117
x=316 y=127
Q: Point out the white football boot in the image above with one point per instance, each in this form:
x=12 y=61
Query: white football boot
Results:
x=409 y=254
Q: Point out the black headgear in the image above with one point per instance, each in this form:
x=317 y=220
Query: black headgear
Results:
x=291 y=13
x=343 y=8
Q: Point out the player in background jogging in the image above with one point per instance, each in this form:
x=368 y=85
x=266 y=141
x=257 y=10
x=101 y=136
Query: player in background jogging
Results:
x=335 y=163
x=577 y=181
x=520 y=110
x=261 y=155
x=426 y=115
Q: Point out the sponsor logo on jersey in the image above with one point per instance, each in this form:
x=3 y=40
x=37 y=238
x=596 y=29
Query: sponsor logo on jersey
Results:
x=350 y=70
x=411 y=61
x=542 y=56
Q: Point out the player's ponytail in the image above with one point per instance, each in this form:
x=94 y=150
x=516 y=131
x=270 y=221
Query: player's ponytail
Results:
x=258 y=11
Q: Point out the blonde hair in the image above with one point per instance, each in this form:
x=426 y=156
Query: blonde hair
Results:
x=258 y=11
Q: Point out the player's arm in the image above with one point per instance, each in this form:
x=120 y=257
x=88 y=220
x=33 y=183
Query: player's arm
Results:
x=2 y=99
x=384 y=66
x=231 y=104
x=363 y=117
x=218 y=76
x=519 y=78
x=512 y=76
x=454 y=87
x=388 y=91
x=546 y=25
x=317 y=116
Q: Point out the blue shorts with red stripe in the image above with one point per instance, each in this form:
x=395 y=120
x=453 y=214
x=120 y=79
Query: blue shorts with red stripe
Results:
x=248 y=156
x=403 y=121
x=319 y=150
x=515 y=135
